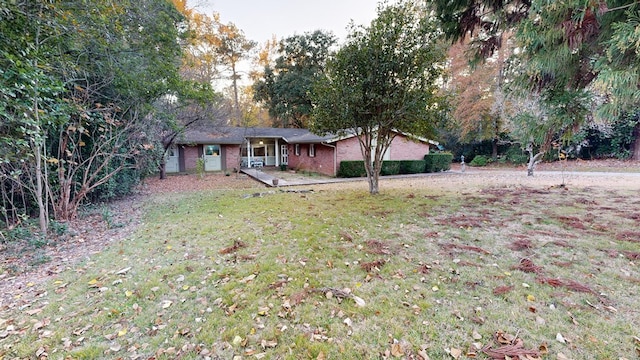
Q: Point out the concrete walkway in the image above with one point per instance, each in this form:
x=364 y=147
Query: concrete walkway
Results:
x=268 y=177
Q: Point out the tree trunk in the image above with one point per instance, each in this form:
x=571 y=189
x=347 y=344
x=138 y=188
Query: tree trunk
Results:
x=42 y=217
x=533 y=161
x=494 y=149
x=163 y=168
x=635 y=147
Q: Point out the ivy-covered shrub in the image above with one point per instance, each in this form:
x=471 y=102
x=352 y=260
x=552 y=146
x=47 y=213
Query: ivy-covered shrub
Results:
x=437 y=162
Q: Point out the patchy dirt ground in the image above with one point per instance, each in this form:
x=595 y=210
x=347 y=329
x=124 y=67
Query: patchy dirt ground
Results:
x=21 y=271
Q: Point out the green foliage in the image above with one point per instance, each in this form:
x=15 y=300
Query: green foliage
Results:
x=390 y=167
x=515 y=156
x=384 y=79
x=412 y=166
x=58 y=228
x=285 y=87
x=352 y=168
x=200 y=167
x=479 y=160
x=19 y=233
x=437 y=162
x=355 y=168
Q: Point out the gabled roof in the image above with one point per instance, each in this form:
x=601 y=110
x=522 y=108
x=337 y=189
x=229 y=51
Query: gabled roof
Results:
x=237 y=135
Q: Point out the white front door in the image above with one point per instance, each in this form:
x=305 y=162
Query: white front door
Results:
x=172 y=165
x=212 y=159
x=284 y=154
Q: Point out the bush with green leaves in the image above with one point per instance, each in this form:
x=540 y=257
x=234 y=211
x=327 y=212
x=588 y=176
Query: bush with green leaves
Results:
x=390 y=167
x=412 y=166
x=351 y=168
x=437 y=162
x=479 y=160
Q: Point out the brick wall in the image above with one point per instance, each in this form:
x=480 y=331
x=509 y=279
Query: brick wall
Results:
x=403 y=148
x=321 y=163
x=231 y=158
x=191 y=155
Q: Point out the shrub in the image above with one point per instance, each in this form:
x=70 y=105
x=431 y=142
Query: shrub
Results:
x=390 y=167
x=516 y=156
x=351 y=168
x=479 y=160
x=437 y=162
x=412 y=166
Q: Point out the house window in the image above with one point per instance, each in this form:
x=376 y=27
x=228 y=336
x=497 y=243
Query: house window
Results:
x=296 y=149
x=312 y=150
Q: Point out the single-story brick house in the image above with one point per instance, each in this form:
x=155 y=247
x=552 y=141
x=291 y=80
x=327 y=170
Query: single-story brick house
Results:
x=225 y=149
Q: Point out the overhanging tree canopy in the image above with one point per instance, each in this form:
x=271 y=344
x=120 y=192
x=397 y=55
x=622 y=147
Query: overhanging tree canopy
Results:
x=384 y=79
x=565 y=47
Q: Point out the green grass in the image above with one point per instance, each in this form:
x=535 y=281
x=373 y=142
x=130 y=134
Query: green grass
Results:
x=440 y=257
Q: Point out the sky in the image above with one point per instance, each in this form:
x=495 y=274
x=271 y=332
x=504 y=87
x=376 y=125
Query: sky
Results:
x=261 y=19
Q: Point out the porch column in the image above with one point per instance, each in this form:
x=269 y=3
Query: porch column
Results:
x=249 y=153
x=277 y=150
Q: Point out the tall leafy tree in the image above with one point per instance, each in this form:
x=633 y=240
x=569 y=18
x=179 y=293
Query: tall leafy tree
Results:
x=285 y=87
x=477 y=94
x=89 y=74
x=565 y=46
x=383 y=80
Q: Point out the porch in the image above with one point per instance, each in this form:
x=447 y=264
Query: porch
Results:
x=261 y=152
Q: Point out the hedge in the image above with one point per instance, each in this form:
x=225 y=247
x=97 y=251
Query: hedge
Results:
x=351 y=168
x=355 y=168
x=390 y=168
x=412 y=166
x=438 y=162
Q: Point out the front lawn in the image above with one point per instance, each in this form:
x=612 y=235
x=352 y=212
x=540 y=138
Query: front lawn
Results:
x=338 y=274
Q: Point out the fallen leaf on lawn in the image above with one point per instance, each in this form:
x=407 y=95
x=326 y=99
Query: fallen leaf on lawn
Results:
x=34 y=311
x=268 y=343
x=455 y=353
x=562 y=356
x=321 y=356
x=41 y=352
x=263 y=310
x=115 y=347
x=396 y=350
x=122 y=332
x=543 y=348
x=128 y=293
x=476 y=336
x=560 y=338
x=93 y=281
x=166 y=304
x=531 y=298
x=423 y=354
x=123 y=271
x=359 y=301
x=348 y=322
x=237 y=340
x=248 y=278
